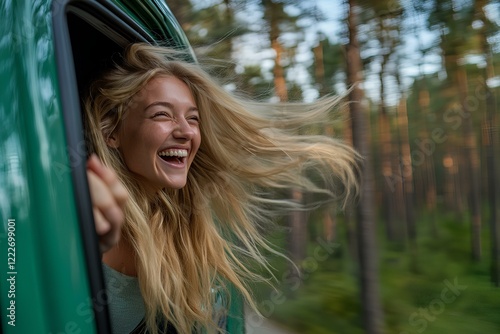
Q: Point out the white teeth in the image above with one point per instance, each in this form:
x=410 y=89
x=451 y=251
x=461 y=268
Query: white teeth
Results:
x=173 y=153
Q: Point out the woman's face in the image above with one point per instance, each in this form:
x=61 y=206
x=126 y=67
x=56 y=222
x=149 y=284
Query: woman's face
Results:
x=160 y=134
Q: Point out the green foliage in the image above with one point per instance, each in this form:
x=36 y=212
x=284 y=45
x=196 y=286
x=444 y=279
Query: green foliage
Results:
x=254 y=84
x=211 y=30
x=327 y=300
x=329 y=65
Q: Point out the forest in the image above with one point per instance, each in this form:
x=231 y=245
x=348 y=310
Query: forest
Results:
x=419 y=251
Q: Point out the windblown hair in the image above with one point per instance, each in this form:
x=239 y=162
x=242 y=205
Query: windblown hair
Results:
x=190 y=240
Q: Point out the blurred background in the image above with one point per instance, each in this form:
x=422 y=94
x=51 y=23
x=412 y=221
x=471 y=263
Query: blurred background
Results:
x=420 y=251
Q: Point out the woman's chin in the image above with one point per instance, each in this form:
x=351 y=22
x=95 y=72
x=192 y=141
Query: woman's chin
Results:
x=174 y=184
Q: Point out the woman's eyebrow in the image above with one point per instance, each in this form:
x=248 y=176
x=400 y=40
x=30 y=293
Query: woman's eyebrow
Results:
x=160 y=103
x=168 y=105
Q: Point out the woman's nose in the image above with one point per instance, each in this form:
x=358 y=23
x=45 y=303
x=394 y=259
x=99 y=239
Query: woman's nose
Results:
x=183 y=130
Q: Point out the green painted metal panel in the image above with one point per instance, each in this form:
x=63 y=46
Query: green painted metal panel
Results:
x=50 y=289
x=236 y=315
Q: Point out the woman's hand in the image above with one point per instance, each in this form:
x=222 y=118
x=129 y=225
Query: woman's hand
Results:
x=108 y=200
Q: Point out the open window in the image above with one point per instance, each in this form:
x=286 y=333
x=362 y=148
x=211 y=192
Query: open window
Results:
x=87 y=35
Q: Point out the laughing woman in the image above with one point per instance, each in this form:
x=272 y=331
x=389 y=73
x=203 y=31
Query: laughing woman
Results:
x=200 y=166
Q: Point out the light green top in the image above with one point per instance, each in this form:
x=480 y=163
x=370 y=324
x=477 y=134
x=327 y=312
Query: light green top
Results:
x=125 y=303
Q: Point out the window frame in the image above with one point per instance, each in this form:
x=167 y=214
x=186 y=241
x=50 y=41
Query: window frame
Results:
x=113 y=23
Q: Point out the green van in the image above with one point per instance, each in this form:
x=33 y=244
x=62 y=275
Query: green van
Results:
x=50 y=268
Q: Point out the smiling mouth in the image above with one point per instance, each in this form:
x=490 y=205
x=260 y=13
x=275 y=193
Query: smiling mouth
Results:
x=174 y=156
x=174 y=160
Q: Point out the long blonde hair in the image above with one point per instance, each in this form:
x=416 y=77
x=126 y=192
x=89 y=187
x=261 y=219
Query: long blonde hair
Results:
x=189 y=240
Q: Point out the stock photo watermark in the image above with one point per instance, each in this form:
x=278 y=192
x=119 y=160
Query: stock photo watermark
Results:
x=11 y=272
x=421 y=319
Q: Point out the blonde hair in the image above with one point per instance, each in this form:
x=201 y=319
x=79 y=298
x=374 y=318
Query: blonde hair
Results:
x=190 y=240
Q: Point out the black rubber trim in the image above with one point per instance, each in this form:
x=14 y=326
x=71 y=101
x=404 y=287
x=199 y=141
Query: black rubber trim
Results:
x=114 y=24
x=110 y=20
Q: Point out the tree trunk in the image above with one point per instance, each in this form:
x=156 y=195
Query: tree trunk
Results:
x=461 y=182
x=273 y=13
x=329 y=225
x=319 y=70
x=429 y=192
x=349 y=211
x=472 y=158
x=181 y=11
x=297 y=222
x=407 y=170
x=492 y=146
x=390 y=182
x=449 y=164
x=329 y=218
x=298 y=232
x=366 y=231
x=227 y=42
x=408 y=194
x=279 y=72
x=428 y=195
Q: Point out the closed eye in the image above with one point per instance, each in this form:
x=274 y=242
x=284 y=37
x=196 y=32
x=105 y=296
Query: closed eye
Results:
x=161 y=114
x=194 y=119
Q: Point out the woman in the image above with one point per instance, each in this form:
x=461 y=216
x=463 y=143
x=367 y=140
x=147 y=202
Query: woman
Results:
x=199 y=165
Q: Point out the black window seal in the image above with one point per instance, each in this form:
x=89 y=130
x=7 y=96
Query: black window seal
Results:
x=121 y=26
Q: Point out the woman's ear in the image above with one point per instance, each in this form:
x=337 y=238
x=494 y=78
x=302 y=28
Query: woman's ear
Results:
x=113 y=140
